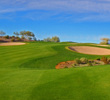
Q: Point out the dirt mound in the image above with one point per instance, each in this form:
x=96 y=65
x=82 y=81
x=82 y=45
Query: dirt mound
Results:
x=11 y=43
x=70 y=64
x=64 y=64
x=90 y=50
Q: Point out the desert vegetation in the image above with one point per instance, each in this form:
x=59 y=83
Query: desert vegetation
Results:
x=83 y=62
x=25 y=36
x=53 y=39
x=17 y=36
x=105 y=41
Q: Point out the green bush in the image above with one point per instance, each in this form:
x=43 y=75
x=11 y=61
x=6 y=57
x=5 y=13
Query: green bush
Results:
x=84 y=60
x=12 y=40
x=98 y=59
x=77 y=61
x=7 y=36
x=13 y=36
x=18 y=39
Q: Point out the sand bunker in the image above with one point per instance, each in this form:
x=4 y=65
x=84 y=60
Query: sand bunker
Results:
x=90 y=50
x=104 y=45
x=11 y=43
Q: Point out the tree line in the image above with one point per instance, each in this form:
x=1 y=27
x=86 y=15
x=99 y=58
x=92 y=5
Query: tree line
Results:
x=29 y=36
x=23 y=34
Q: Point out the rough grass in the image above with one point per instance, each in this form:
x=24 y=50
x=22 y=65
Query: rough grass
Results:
x=28 y=72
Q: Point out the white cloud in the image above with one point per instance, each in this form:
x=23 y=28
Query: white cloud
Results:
x=101 y=7
x=63 y=5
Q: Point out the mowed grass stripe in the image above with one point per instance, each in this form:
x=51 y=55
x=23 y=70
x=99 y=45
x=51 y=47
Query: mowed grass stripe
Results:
x=74 y=83
x=36 y=61
x=21 y=77
x=25 y=55
x=25 y=50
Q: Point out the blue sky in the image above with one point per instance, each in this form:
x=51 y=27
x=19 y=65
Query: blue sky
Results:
x=71 y=20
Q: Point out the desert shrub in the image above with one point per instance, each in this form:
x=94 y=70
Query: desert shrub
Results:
x=18 y=39
x=108 y=60
x=98 y=59
x=12 y=40
x=77 y=61
x=13 y=36
x=53 y=39
x=1 y=40
x=84 y=60
x=95 y=63
x=102 y=63
x=89 y=64
x=7 y=36
x=22 y=37
x=73 y=65
x=65 y=66
x=104 y=59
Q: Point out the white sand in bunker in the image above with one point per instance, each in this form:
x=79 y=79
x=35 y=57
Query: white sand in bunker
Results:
x=90 y=50
x=11 y=43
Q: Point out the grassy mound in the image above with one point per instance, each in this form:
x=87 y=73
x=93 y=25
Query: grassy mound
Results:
x=27 y=72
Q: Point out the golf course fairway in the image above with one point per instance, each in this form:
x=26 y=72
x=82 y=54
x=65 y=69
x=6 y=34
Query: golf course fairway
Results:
x=27 y=72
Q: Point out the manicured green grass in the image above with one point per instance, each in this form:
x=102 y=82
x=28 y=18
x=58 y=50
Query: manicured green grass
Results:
x=27 y=72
